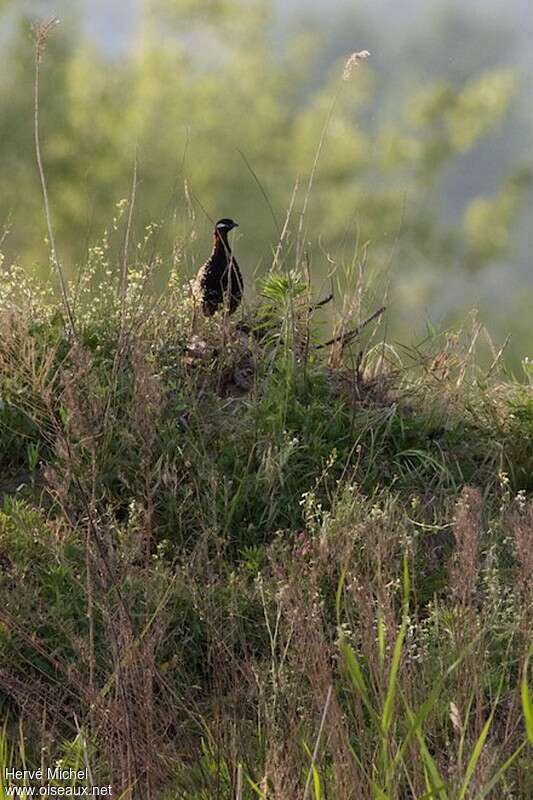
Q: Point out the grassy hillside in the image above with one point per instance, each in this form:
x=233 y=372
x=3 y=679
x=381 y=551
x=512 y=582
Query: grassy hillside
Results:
x=234 y=564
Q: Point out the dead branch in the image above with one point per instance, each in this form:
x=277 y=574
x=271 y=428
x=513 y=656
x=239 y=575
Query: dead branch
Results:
x=348 y=336
x=321 y=303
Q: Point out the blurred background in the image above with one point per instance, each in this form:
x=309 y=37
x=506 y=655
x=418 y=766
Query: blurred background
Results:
x=427 y=154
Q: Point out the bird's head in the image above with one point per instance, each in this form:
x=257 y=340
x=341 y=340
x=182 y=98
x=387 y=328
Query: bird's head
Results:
x=224 y=226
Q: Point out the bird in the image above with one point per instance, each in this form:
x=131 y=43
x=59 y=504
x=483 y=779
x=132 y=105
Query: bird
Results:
x=219 y=281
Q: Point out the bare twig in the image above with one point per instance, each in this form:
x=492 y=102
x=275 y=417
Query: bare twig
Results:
x=321 y=303
x=41 y=33
x=498 y=356
x=347 y=337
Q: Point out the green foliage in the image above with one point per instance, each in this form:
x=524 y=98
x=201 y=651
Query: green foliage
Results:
x=231 y=562
x=181 y=531
x=177 y=99
x=488 y=220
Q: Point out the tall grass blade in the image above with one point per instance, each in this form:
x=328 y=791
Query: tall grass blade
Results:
x=388 y=707
x=527 y=702
x=436 y=784
x=478 y=747
x=259 y=792
x=312 y=771
x=497 y=777
x=474 y=758
x=356 y=676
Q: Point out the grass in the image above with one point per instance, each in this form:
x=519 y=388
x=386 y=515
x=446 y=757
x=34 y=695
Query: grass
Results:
x=235 y=565
x=238 y=563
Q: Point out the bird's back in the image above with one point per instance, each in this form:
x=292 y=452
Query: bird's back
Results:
x=218 y=281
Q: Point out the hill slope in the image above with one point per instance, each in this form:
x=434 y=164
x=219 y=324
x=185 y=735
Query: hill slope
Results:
x=233 y=563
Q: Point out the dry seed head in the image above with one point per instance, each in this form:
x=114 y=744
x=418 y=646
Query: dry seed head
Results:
x=41 y=32
x=353 y=61
x=467 y=529
x=455 y=717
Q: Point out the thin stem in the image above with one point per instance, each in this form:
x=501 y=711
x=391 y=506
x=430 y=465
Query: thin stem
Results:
x=317 y=743
x=124 y=283
x=39 y=43
x=299 y=243
x=347 y=337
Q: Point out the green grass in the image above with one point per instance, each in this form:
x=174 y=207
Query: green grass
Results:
x=264 y=569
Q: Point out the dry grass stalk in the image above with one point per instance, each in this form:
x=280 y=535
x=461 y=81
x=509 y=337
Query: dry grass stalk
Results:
x=467 y=532
x=521 y=525
x=41 y=34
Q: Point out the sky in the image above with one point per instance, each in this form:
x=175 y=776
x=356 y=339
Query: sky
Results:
x=112 y=21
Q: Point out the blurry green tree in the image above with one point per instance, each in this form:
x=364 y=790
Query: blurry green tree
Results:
x=220 y=116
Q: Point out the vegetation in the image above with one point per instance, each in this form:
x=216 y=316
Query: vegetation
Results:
x=233 y=563
x=425 y=153
x=251 y=556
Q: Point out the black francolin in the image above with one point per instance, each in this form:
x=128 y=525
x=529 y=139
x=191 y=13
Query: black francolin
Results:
x=219 y=282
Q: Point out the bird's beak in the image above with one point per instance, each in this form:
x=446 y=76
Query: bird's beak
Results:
x=235 y=224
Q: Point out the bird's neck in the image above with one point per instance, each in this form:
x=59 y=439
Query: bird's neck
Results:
x=221 y=244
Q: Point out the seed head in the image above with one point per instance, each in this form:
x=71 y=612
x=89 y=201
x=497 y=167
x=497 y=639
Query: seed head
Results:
x=352 y=62
x=41 y=32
